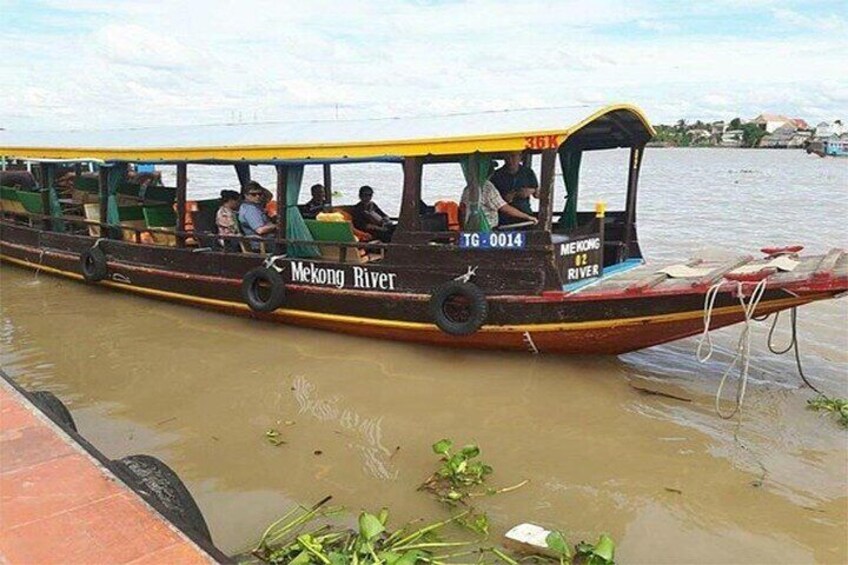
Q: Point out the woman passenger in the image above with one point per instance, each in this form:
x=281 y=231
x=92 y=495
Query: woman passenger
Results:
x=226 y=218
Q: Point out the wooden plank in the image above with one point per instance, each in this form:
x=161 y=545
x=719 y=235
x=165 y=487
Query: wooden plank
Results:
x=546 y=189
x=103 y=187
x=328 y=184
x=282 y=173
x=409 y=213
x=654 y=279
x=827 y=264
x=182 y=181
x=716 y=274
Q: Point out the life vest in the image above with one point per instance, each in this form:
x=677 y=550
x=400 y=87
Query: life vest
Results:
x=451 y=210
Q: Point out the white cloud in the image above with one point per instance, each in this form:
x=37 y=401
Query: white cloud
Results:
x=186 y=61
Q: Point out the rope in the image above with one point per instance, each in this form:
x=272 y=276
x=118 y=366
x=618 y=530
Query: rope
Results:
x=271 y=262
x=528 y=340
x=469 y=274
x=743 y=346
x=793 y=344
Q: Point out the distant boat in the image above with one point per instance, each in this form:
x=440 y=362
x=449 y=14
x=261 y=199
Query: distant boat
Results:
x=834 y=147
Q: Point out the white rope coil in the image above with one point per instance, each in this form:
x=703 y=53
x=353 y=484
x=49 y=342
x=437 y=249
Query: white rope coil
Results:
x=743 y=346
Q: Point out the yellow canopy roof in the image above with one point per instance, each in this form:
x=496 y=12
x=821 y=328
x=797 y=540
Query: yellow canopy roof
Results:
x=618 y=125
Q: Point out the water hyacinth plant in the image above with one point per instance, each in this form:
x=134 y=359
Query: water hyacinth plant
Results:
x=459 y=472
x=299 y=538
x=836 y=406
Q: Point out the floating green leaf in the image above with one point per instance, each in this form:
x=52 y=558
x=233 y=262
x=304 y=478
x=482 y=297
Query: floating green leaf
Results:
x=556 y=543
x=442 y=447
x=370 y=526
x=470 y=451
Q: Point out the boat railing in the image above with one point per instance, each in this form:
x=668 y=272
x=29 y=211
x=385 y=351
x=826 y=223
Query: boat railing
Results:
x=49 y=224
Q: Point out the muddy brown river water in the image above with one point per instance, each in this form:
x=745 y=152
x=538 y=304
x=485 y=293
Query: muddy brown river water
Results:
x=667 y=478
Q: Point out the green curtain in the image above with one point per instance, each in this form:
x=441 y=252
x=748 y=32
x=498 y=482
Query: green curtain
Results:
x=480 y=166
x=295 y=226
x=570 y=163
x=117 y=175
x=55 y=207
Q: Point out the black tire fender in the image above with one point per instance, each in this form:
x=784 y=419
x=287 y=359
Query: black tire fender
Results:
x=478 y=307
x=153 y=479
x=272 y=296
x=50 y=403
x=93 y=265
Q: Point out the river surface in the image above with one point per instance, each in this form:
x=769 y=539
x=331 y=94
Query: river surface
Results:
x=667 y=478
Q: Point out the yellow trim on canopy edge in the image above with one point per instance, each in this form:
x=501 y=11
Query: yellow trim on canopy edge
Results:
x=489 y=143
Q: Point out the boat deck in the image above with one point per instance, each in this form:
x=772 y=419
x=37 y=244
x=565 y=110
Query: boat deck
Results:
x=811 y=273
x=59 y=504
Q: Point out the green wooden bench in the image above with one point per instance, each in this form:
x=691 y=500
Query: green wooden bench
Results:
x=31 y=201
x=339 y=232
x=132 y=219
x=90 y=185
x=162 y=217
x=9 y=201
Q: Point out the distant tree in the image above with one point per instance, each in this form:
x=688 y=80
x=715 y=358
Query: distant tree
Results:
x=751 y=134
x=681 y=125
x=735 y=123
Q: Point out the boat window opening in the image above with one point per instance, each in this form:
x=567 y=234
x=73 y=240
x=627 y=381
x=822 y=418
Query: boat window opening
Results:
x=601 y=176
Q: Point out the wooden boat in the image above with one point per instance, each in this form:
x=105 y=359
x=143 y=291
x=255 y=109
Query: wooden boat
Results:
x=574 y=283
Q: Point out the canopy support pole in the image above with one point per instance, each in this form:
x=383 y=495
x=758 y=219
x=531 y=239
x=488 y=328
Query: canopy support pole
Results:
x=47 y=225
x=328 y=184
x=282 y=209
x=103 y=188
x=243 y=174
x=546 y=189
x=632 y=186
x=182 y=181
x=409 y=213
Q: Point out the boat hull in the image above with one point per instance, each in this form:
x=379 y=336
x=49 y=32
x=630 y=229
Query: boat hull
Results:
x=553 y=324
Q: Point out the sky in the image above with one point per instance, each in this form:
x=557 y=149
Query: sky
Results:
x=67 y=64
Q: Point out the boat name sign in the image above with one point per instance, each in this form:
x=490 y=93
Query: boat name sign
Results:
x=581 y=258
x=360 y=277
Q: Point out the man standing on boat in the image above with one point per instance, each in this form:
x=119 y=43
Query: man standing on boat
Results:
x=516 y=184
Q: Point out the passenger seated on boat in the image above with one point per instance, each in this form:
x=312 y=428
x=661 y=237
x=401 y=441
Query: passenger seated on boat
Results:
x=516 y=183
x=252 y=217
x=226 y=219
x=492 y=205
x=316 y=204
x=368 y=217
x=267 y=195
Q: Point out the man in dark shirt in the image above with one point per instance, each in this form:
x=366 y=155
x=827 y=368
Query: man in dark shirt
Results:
x=368 y=217
x=516 y=183
x=316 y=204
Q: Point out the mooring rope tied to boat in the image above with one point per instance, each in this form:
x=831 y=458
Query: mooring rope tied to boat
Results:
x=793 y=344
x=40 y=261
x=121 y=278
x=743 y=346
x=528 y=339
x=469 y=274
x=271 y=262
